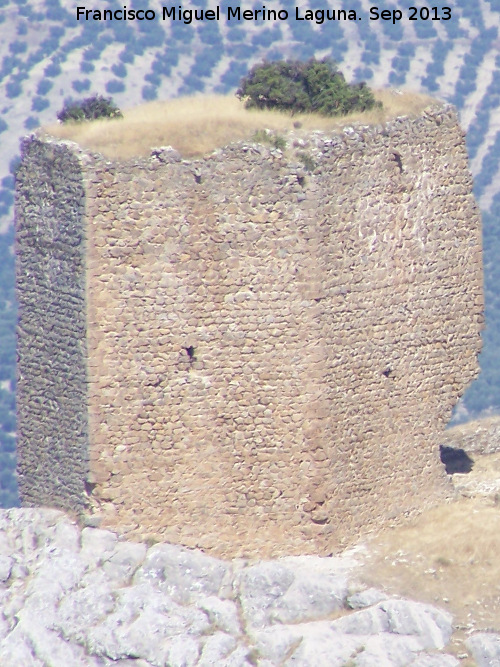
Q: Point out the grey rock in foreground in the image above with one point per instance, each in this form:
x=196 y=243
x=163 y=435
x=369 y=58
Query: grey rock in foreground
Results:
x=89 y=599
x=485 y=647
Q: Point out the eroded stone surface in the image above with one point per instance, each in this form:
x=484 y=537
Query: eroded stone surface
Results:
x=485 y=647
x=240 y=347
x=91 y=599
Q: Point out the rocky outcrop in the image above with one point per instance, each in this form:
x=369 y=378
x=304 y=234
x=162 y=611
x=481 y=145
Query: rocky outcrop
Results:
x=87 y=598
x=485 y=647
x=481 y=436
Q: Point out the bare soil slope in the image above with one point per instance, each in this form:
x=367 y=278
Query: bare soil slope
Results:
x=450 y=555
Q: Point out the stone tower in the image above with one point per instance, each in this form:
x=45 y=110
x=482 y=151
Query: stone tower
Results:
x=241 y=354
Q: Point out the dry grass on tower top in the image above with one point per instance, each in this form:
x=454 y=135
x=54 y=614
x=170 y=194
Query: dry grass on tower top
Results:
x=198 y=125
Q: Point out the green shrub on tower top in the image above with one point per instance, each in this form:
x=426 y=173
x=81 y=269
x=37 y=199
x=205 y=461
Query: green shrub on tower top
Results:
x=315 y=86
x=90 y=108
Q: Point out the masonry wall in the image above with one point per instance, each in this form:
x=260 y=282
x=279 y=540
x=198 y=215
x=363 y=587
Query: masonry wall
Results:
x=273 y=353
x=52 y=412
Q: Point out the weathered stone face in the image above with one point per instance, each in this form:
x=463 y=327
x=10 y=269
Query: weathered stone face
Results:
x=272 y=353
x=52 y=408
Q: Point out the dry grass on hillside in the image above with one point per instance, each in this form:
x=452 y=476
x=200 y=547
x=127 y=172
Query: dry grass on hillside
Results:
x=448 y=556
x=197 y=125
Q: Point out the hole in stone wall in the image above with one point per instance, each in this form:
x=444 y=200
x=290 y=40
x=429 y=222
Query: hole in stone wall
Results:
x=455 y=460
x=190 y=353
x=389 y=373
x=398 y=161
x=89 y=487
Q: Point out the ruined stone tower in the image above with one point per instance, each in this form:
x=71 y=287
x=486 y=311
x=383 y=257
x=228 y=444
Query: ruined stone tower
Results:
x=237 y=353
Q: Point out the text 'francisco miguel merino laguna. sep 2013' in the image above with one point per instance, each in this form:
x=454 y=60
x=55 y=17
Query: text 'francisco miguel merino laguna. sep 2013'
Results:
x=239 y=14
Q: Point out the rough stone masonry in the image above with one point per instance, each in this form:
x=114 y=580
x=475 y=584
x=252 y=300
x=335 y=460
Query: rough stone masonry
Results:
x=240 y=353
